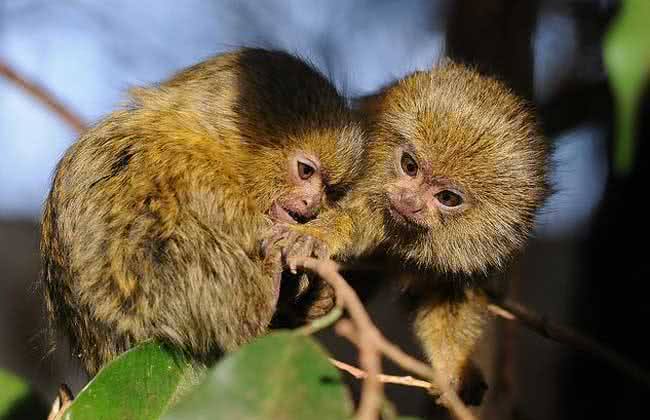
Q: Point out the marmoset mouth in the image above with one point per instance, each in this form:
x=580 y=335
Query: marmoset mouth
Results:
x=408 y=224
x=283 y=214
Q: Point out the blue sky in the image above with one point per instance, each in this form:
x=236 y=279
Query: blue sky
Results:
x=88 y=53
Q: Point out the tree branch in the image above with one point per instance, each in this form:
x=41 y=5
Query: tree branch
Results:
x=44 y=96
x=361 y=331
x=514 y=311
x=322 y=322
x=386 y=379
x=61 y=403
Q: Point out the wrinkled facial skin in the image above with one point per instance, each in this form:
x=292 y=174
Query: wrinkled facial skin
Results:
x=416 y=198
x=306 y=189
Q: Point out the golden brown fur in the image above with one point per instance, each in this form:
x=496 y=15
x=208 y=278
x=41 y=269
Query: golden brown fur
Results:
x=469 y=134
x=153 y=223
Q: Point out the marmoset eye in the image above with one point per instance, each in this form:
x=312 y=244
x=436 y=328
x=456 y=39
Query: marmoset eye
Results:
x=305 y=171
x=449 y=198
x=409 y=166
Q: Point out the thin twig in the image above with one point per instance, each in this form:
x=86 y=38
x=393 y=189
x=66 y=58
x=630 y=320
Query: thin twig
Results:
x=499 y=311
x=369 y=356
x=386 y=379
x=44 y=96
x=371 y=384
x=321 y=323
x=61 y=403
x=371 y=343
x=448 y=396
x=540 y=324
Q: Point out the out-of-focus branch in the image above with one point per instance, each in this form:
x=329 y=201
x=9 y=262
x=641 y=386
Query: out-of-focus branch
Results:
x=44 y=96
x=361 y=331
x=514 y=311
x=63 y=400
x=386 y=379
x=372 y=395
x=322 y=322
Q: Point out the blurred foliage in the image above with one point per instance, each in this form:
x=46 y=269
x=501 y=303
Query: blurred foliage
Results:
x=281 y=376
x=139 y=384
x=18 y=400
x=12 y=390
x=627 y=57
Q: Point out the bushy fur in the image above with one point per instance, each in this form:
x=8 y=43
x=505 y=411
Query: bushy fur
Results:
x=469 y=130
x=473 y=131
x=153 y=222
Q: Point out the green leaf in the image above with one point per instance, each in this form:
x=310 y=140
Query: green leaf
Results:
x=139 y=384
x=281 y=376
x=13 y=391
x=627 y=57
x=18 y=400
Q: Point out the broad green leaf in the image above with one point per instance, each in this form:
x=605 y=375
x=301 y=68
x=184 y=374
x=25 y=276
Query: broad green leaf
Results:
x=281 y=376
x=627 y=57
x=12 y=390
x=140 y=384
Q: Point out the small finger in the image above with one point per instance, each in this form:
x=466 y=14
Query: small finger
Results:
x=273 y=264
x=273 y=260
x=291 y=238
x=293 y=267
x=277 y=282
x=273 y=231
x=271 y=241
x=301 y=247
x=321 y=250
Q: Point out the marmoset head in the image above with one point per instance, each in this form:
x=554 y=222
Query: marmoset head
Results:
x=304 y=142
x=461 y=167
x=286 y=134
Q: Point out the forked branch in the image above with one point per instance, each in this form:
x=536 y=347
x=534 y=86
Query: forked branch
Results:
x=361 y=331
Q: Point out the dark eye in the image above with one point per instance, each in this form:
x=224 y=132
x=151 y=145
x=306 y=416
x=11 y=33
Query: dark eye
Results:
x=305 y=171
x=449 y=198
x=409 y=166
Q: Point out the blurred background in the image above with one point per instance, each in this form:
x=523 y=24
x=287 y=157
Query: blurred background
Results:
x=586 y=267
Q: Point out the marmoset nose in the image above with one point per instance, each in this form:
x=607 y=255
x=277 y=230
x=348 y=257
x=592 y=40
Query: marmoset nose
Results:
x=410 y=203
x=309 y=204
